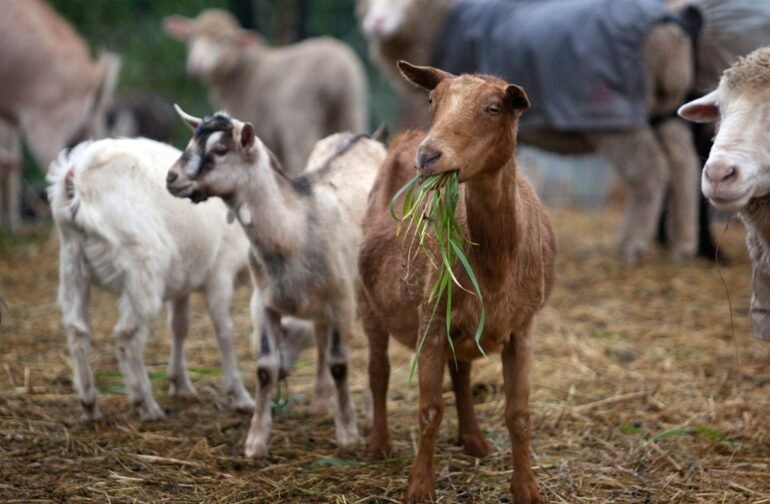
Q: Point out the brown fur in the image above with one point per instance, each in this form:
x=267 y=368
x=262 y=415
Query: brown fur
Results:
x=513 y=262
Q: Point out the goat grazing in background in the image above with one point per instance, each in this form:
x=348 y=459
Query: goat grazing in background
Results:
x=651 y=160
x=305 y=233
x=513 y=249
x=736 y=177
x=293 y=95
x=119 y=228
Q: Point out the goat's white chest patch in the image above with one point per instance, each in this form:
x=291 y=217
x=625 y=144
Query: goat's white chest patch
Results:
x=244 y=215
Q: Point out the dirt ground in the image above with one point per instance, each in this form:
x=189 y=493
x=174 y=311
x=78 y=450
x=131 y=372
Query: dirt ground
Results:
x=643 y=392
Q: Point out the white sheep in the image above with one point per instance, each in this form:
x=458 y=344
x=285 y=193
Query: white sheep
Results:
x=651 y=160
x=293 y=95
x=736 y=177
x=305 y=234
x=119 y=228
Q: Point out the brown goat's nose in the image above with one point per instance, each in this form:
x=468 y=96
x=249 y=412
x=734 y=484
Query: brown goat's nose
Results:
x=171 y=177
x=721 y=172
x=427 y=157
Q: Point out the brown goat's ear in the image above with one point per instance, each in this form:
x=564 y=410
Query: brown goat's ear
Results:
x=247 y=135
x=178 y=27
x=424 y=76
x=517 y=98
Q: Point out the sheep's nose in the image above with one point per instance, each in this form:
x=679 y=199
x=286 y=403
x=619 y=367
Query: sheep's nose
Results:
x=427 y=157
x=171 y=177
x=721 y=172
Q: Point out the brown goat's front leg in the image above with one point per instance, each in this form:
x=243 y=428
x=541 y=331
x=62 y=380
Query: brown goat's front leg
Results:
x=379 y=378
x=469 y=435
x=517 y=360
x=430 y=366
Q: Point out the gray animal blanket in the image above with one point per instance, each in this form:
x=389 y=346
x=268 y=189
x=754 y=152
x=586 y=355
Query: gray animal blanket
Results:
x=579 y=61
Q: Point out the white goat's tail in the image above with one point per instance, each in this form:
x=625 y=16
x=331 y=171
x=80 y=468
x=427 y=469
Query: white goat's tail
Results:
x=64 y=175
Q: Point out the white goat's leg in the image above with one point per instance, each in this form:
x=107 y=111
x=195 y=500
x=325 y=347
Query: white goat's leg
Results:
x=297 y=336
x=345 y=425
x=323 y=380
x=130 y=335
x=179 y=384
x=219 y=295
x=641 y=163
x=74 y=289
x=682 y=218
x=268 y=364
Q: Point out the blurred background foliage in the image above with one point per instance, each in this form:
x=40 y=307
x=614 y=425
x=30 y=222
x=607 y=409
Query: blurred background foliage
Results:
x=153 y=62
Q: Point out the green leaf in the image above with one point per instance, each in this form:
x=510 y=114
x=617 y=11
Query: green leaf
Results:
x=334 y=462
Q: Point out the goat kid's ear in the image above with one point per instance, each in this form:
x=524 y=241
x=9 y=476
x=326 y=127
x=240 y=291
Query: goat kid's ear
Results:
x=424 y=76
x=189 y=120
x=702 y=110
x=517 y=98
x=247 y=135
x=246 y=38
x=178 y=27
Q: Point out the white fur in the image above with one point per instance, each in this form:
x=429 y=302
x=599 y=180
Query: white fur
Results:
x=120 y=229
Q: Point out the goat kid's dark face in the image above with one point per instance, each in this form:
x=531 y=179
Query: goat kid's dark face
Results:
x=212 y=164
x=474 y=121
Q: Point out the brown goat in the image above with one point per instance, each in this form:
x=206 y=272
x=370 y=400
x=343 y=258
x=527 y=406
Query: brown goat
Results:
x=475 y=118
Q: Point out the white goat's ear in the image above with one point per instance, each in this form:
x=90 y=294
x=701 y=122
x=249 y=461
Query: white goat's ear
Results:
x=424 y=76
x=247 y=135
x=178 y=27
x=702 y=110
x=189 y=120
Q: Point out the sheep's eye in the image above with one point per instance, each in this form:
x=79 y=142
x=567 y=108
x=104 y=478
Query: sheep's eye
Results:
x=493 y=109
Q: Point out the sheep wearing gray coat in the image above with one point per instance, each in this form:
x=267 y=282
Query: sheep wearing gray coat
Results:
x=652 y=161
x=294 y=95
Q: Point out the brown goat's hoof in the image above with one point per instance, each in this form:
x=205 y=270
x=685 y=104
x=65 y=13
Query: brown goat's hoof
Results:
x=420 y=492
x=526 y=492
x=381 y=451
x=476 y=446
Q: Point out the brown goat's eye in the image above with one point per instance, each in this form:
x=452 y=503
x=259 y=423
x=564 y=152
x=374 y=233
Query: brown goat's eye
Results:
x=493 y=109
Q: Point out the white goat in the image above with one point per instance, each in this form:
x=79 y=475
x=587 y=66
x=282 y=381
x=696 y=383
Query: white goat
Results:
x=305 y=234
x=294 y=95
x=736 y=177
x=119 y=228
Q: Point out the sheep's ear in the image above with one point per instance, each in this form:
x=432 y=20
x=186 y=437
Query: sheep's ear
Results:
x=247 y=135
x=189 y=120
x=702 y=110
x=178 y=27
x=517 y=98
x=424 y=76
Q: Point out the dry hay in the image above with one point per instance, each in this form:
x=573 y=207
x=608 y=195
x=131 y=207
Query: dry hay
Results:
x=641 y=393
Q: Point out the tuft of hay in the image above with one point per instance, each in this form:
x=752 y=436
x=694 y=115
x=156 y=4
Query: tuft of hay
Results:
x=636 y=397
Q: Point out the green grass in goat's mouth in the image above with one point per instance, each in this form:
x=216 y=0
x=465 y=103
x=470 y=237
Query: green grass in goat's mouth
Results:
x=428 y=214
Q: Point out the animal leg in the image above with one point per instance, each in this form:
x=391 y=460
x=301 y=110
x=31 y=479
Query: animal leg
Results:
x=379 y=377
x=430 y=366
x=469 y=435
x=682 y=218
x=74 y=289
x=641 y=163
x=130 y=335
x=323 y=380
x=268 y=365
x=517 y=361
x=345 y=426
x=179 y=384
x=219 y=296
